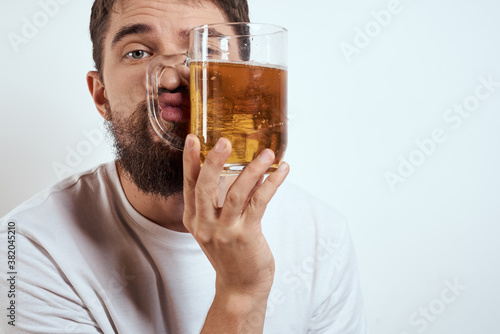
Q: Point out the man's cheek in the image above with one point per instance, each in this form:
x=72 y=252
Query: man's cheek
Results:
x=121 y=106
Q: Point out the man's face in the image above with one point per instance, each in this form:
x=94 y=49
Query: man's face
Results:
x=138 y=31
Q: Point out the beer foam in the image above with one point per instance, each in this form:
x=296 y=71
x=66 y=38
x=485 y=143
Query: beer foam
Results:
x=245 y=63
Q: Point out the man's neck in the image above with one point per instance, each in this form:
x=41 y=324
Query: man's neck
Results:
x=164 y=212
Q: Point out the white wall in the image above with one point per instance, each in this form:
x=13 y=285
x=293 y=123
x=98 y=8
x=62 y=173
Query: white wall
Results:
x=351 y=123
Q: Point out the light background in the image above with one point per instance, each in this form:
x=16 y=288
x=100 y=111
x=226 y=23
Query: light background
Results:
x=351 y=121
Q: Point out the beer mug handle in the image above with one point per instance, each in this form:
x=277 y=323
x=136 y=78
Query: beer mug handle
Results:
x=161 y=66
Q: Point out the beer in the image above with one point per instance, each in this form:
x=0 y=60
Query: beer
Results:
x=243 y=102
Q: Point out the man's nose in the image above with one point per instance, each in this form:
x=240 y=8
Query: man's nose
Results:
x=174 y=76
x=174 y=73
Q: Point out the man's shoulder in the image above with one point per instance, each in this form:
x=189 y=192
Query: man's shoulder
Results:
x=65 y=199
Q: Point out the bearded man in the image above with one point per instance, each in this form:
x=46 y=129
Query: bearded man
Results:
x=155 y=243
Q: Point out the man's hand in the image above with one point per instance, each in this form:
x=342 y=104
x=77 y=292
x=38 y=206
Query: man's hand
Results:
x=231 y=235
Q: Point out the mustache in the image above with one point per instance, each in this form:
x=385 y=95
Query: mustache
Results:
x=180 y=89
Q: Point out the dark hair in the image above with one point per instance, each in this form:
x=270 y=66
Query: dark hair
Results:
x=233 y=10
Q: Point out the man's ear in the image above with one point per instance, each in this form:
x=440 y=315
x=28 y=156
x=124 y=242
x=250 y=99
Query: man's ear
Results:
x=98 y=92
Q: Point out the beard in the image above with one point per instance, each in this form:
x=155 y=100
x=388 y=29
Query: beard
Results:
x=153 y=166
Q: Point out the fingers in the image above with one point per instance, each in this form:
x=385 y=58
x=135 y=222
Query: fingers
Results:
x=257 y=185
x=206 y=200
x=261 y=197
x=248 y=195
x=191 y=170
x=245 y=186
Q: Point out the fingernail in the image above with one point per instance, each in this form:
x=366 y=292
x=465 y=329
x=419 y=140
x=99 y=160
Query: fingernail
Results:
x=220 y=146
x=265 y=156
x=283 y=167
x=189 y=142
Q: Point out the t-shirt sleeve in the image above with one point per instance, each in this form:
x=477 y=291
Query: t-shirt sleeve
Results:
x=44 y=300
x=341 y=311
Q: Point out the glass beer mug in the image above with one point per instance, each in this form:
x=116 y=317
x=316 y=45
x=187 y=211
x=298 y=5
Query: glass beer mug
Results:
x=237 y=89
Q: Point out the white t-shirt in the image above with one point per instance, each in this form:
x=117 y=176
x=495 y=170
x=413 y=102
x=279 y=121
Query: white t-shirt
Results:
x=87 y=262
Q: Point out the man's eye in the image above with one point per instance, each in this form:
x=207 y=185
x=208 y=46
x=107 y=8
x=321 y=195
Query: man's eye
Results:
x=214 y=52
x=138 y=54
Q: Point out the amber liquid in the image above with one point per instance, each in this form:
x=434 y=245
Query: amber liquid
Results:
x=245 y=103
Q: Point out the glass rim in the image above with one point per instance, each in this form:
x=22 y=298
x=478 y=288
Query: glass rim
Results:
x=278 y=28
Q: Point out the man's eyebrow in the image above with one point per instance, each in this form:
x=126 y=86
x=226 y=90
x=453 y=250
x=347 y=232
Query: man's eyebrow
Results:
x=211 y=32
x=134 y=29
x=214 y=33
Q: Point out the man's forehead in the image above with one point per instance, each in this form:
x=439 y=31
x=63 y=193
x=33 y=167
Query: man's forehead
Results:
x=121 y=5
x=124 y=6
x=178 y=12
x=173 y=17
